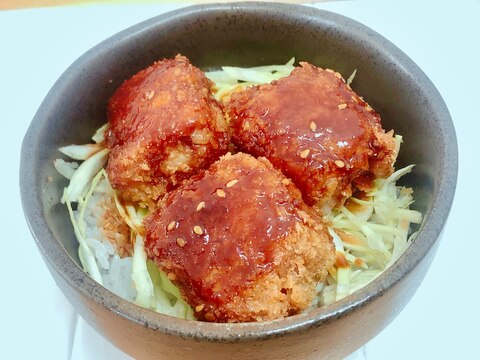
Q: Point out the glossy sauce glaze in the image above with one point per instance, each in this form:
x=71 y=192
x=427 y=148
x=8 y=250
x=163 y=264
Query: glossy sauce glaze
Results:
x=164 y=126
x=216 y=235
x=312 y=126
x=168 y=99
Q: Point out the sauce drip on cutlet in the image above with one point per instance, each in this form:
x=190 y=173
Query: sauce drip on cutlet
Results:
x=156 y=103
x=308 y=123
x=221 y=230
x=130 y=103
x=297 y=106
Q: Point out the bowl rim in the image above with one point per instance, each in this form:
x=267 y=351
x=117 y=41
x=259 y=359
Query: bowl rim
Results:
x=57 y=258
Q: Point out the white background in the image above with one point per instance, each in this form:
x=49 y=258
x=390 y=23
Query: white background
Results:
x=37 y=45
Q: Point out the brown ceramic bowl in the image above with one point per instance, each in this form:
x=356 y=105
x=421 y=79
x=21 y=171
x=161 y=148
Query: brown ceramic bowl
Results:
x=243 y=34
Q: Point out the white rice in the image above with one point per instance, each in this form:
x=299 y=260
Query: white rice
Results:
x=116 y=272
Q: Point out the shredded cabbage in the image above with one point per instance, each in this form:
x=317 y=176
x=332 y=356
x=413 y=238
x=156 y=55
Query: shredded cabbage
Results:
x=99 y=135
x=141 y=277
x=83 y=176
x=230 y=79
x=370 y=244
x=80 y=152
x=65 y=168
x=84 y=251
x=168 y=300
x=351 y=77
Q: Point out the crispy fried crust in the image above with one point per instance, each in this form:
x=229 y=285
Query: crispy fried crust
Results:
x=164 y=127
x=240 y=243
x=316 y=130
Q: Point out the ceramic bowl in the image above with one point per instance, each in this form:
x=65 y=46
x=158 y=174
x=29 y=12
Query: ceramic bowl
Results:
x=243 y=34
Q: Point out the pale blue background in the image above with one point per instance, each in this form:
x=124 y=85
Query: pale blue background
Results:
x=442 y=37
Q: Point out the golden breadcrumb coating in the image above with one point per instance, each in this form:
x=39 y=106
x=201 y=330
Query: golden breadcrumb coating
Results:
x=165 y=126
x=240 y=243
x=314 y=128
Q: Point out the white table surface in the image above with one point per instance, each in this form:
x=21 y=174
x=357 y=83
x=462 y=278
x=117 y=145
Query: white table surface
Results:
x=37 y=45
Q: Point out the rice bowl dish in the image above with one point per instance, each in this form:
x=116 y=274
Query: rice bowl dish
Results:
x=212 y=36
x=369 y=230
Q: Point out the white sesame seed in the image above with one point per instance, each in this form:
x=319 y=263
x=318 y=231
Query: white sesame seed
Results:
x=285 y=182
x=313 y=126
x=200 y=205
x=171 y=226
x=368 y=108
x=198 y=230
x=342 y=106
x=339 y=163
x=181 y=242
x=338 y=75
x=304 y=153
x=199 y=308
x=220 y=193
x=231 y=183
x=330 y=71
x=354 y=98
